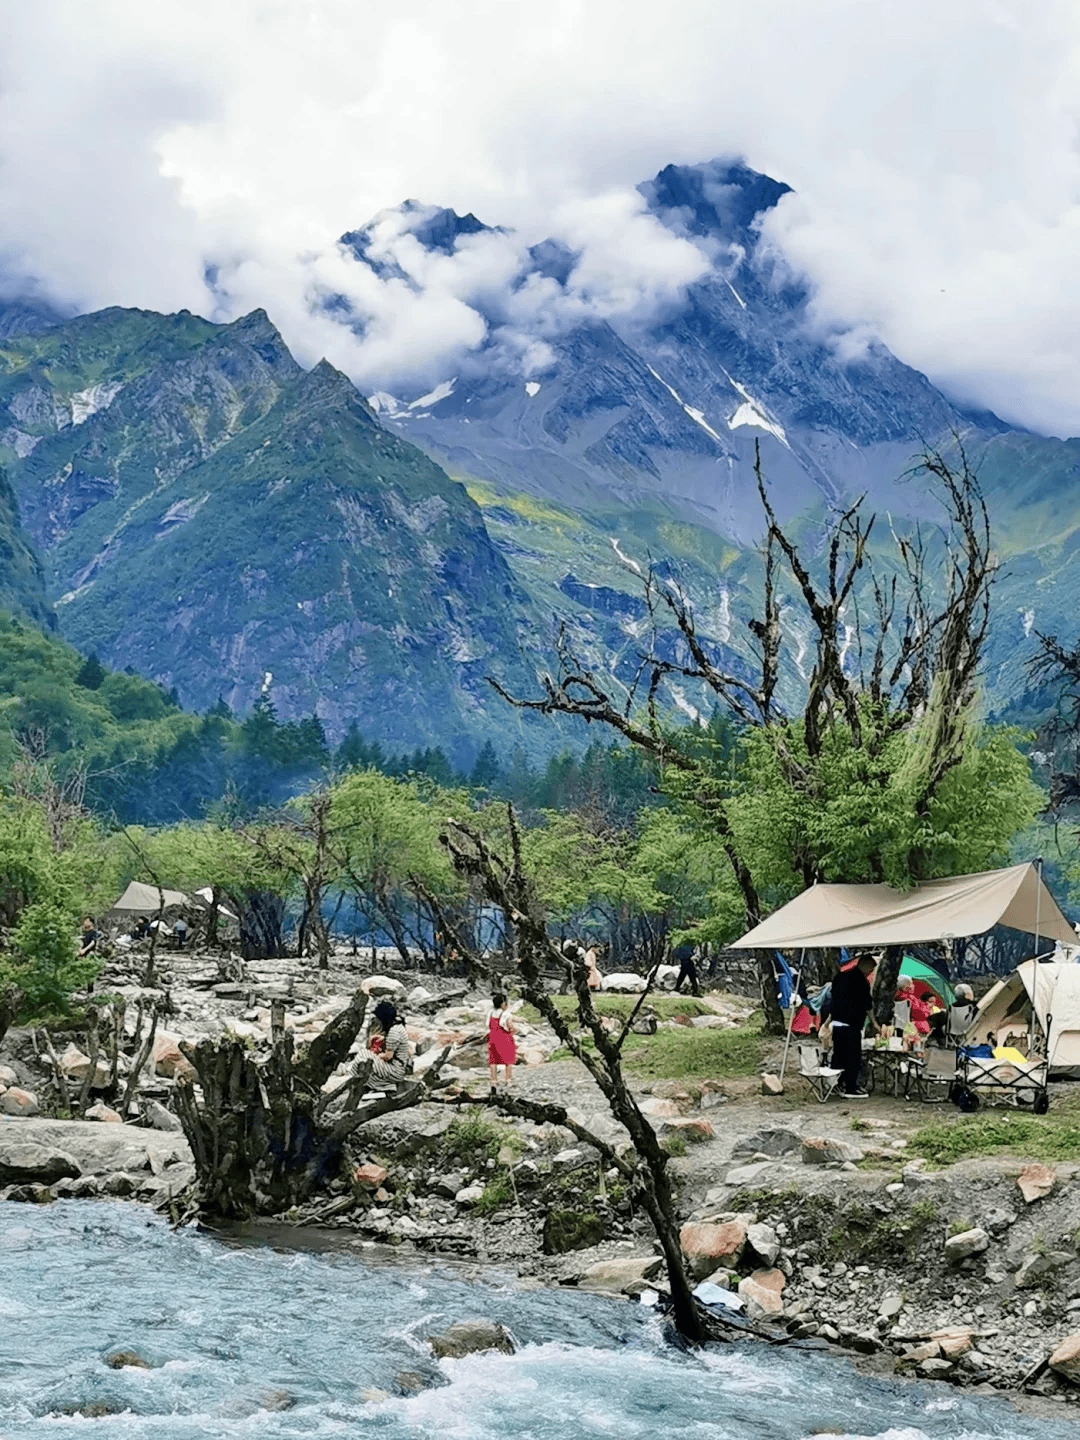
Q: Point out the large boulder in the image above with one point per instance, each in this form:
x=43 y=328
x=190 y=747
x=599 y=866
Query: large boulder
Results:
x=710 y=1246
x=15 y=1101
x=1065 y=1361
x=103 y=1113
x=380 y=986
x=169 y=1060
x=24 y=1162
x=615 y=1275
x=1035 y=1268
x=764 y=1242
x=76 y=1066
x=625 y=983
x=471 y=1337
x=158 y=1118
x=816 y=1151
x=774 y=1142
x=7 y=1077
x=761 y=1291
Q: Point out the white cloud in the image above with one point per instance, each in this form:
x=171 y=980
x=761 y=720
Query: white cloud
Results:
x=932 y=148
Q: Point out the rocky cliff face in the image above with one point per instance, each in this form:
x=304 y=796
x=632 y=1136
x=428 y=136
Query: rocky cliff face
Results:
x=219 y=519
x=666 y=412
x=22 y=579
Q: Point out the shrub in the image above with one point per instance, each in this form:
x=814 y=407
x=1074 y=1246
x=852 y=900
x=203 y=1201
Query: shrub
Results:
x=45 y=964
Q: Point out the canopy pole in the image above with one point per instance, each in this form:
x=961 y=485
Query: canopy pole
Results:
x=1038 y=902
x=791 y=1017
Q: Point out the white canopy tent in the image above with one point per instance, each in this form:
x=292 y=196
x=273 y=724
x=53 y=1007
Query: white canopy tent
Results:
x=863 y=917
x=1049 y=994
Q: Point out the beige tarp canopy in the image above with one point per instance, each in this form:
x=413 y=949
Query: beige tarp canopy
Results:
x=1050 y=992
x=869 y=916
x=140 y=899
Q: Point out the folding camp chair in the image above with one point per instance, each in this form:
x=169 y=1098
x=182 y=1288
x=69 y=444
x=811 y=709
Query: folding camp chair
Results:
x=936 y=1076
x=961 y=1018
x=822 y=1079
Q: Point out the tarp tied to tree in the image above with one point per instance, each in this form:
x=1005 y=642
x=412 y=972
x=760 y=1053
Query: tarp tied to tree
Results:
x=880 y=772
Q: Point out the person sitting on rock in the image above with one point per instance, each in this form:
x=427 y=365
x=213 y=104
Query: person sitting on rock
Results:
x=502 y=1049
x=89 y=936
x=389 y=1044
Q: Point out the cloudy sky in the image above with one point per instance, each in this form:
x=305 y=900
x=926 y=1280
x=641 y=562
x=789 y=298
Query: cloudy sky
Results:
x=932 y=144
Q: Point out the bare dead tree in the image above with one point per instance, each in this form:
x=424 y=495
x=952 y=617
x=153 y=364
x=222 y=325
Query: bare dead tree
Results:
x=505 y=883
x=58 y=795
x=893 y=652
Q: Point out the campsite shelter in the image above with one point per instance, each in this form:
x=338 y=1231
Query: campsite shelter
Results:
x=866 y=917
x=140 y=899
x=1049 y=993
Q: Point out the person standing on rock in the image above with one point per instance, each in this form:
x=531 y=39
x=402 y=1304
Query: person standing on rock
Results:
x=502 y=1049
x=851 y=1004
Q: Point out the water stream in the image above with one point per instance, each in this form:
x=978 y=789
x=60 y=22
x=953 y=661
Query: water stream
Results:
x=232 y=1331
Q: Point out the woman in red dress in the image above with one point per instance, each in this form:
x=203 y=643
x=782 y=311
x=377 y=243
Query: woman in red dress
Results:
x=501 y=1047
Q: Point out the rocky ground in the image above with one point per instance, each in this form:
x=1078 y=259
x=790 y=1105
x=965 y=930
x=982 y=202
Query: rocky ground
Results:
x=811 y=1218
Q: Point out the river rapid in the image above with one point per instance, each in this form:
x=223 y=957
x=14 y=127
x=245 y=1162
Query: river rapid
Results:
x=232 y=1331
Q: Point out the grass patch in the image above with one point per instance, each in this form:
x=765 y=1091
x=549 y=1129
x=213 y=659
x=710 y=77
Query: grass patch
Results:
x=1054 y=1136
x=497 y=1194
x=472 y=1135
x=665 y=1006
x=684 y=1053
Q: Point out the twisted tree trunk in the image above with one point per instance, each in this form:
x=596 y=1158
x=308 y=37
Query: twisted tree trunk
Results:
x=263 y=1135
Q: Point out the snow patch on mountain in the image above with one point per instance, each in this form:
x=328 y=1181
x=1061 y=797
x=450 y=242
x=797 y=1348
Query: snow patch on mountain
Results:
x=85 y=403
x=751 y=413
x=385 y=404
x=622 y=555
x=532 y=388
x=442 y=391
x=698 y=416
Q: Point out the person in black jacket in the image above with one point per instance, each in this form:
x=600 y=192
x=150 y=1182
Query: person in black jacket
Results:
x=851 y=1005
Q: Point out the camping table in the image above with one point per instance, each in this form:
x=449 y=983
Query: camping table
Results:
x=893 y=1072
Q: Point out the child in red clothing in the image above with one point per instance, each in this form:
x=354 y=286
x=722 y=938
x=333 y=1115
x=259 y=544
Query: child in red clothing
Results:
x=501 y=1047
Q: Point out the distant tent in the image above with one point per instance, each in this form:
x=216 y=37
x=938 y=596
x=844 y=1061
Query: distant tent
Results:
x=206 y=897
x=1047 y=993
x=140 y=899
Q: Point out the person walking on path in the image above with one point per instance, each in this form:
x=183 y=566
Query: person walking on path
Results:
x=502 y=1049
x=851 y=1004
x=684 y=954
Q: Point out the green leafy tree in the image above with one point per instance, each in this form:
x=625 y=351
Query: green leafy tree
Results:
x=44 y=962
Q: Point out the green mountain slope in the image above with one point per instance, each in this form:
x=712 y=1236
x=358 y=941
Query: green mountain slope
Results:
x=212 y=515
x=22 y=580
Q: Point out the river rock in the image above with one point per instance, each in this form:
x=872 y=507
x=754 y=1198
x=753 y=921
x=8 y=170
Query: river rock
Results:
x=709 y=1246
x=469 y=1195
x=22 y=1162
x=968 y=1242
x=890 y=1306
x=158 y=1118
x=764 y=1242
x=471 y=1337
x=1065 y=1361
x=775 y=1141
x=816 y=1151
x=761 y=1291
x=125 y=1360
x=168 y=1059
x=378 y=986
x=615 y=1275
x=103 y=1113
x=748 y=1174
x=7 y=1076
x=625 y=982
x=29 y=1194
x=1035 y=1182
x=1035 y=1268
x=15 y=1101
x=77 y=1066
x=659 y=1109
x=370 y=1176
x=693 y=1129
x=953 y=1341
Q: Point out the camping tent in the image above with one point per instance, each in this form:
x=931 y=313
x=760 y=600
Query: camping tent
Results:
x=862 y=916
x=926 y=977
x=1049 y=993
x=140 y=899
